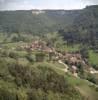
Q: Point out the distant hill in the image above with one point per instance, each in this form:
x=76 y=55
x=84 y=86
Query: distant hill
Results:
x=45 y=21
x=36 y=21
x=88 y=18
x=84 y=28
x=87 y=24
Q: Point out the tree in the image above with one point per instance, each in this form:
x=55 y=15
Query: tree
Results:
x=40 y=56
x=51 y=54
x=30 y=57
x=13 y=55
x=84 y=52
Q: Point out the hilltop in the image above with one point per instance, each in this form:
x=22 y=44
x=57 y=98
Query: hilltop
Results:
x=44 y=21
x=35 y=21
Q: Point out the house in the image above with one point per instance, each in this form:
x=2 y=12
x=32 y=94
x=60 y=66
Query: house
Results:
x=74 y=69
x=38 y=45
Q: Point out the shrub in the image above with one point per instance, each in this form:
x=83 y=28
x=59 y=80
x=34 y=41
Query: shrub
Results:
x=13 y=55
x=40 y=56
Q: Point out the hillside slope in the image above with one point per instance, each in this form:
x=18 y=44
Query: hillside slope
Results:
x=31 y=22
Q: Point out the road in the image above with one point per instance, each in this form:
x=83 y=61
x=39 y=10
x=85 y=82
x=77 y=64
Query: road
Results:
x=66 y=66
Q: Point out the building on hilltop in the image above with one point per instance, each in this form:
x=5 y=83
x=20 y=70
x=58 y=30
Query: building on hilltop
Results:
x=37 y=12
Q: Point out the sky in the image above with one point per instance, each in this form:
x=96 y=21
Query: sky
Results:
x=45 y=4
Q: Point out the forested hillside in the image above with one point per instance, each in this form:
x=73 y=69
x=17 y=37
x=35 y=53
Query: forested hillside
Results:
x=84 y=28
x=81 y=24
x=29 y=22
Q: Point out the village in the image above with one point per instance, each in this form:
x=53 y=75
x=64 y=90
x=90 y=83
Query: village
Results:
x=71 y=61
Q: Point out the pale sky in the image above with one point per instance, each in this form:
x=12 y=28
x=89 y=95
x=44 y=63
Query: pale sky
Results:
x=45 y=4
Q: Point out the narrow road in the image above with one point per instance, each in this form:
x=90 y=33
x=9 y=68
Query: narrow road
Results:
x=94 y=72
x=66 y=66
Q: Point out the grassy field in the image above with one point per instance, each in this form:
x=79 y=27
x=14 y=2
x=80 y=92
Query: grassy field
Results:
x=85 y=88
x=55 y=66
x=93 y=58
x=72 y=48
x=13 y=44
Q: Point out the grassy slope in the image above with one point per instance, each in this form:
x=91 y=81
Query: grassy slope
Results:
x=93 y=57
x=72 y=48
x=85 y=88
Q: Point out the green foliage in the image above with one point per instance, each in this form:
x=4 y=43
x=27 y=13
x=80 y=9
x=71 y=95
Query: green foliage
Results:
x=27 y=22
x=23 y=79
x=6 y=95
x=81 y=70
x=91 y=78
x=30 y=57
x=40 y=56
x=84 y=52
x=93 y=58
x=40 y=82
x=13 y=55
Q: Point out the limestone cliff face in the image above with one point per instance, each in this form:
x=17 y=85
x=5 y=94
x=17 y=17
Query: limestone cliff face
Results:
x=37 y=12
